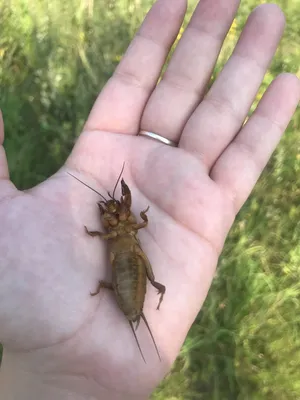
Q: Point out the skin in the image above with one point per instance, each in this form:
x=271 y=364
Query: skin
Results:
x=59 y=341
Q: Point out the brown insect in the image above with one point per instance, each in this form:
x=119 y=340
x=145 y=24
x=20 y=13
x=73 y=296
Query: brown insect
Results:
x=130 y=265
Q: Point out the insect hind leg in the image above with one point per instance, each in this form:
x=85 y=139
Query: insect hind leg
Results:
x=161 y=289
x=159 y=286
x=102 y=284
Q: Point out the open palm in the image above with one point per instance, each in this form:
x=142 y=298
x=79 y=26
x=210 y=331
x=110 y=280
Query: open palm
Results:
x=70 y=342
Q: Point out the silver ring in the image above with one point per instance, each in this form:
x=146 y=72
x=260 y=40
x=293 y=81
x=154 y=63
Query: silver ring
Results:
x=155 y=136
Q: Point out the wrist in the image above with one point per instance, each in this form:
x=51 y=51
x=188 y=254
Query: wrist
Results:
x=18 y=382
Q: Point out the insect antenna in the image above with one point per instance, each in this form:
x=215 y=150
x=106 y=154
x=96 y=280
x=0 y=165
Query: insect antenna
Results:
x=148 y=327
x=131 y=326
x=88 y=186
x=113 y=196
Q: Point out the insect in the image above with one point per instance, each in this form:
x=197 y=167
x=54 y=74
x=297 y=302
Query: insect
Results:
x=130 y=265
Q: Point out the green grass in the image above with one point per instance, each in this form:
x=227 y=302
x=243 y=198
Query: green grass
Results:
x=245 y=342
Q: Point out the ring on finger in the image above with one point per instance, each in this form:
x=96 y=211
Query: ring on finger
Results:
x=155 y=136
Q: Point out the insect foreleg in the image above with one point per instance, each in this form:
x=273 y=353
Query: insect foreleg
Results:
x=102 y=284
x=104 y=236
x=126 y=195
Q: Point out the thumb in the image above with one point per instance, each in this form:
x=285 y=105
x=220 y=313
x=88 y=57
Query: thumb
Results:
x=6 y=186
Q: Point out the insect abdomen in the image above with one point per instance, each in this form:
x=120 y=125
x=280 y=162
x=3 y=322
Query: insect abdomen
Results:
x=129 y=281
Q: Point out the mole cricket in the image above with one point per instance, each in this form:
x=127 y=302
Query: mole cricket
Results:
x=130 y=265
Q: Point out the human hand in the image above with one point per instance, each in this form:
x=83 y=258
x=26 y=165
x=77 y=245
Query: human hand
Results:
x=60 y=341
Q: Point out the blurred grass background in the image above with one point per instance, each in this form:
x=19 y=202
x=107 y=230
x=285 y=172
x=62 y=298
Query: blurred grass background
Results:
x=54 y=58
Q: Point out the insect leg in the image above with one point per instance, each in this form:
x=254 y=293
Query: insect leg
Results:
x=106 y=236
x=144 y=218
x=102 y=284
x=126 y=195
x=160 y=287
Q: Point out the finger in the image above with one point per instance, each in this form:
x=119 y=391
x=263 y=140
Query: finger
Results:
x=224 y=109
x=190 y=68
x=121 y=102
x=239 y=167
x=4 y=173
